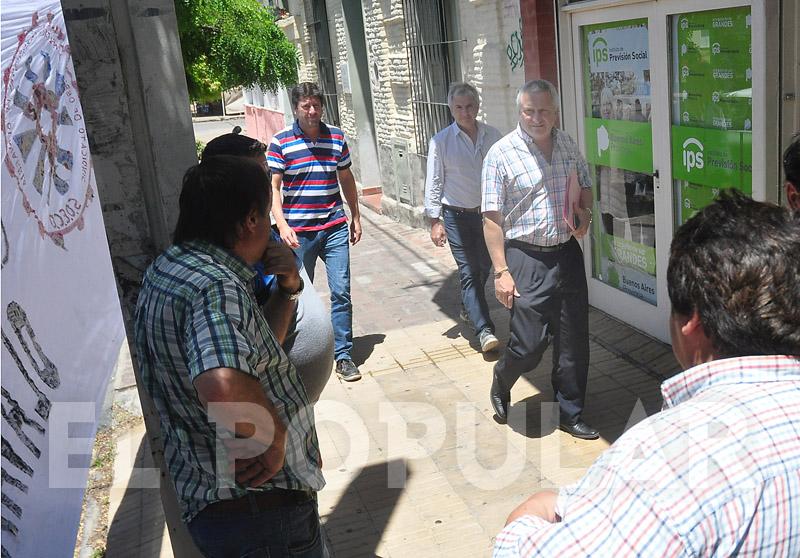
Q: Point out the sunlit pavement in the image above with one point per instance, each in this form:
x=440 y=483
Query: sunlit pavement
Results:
x=416 y=466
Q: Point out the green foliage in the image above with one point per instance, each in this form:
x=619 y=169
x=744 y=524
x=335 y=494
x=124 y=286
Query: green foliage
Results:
x=199 y=146
x=232 y=43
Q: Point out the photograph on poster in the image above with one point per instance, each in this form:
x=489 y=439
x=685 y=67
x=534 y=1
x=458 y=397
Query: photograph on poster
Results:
x=619 y=146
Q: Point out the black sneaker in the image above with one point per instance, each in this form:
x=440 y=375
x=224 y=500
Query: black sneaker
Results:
x=347 y=371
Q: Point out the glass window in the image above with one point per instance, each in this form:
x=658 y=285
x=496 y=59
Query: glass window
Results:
x=616 y=61
x=712 y=106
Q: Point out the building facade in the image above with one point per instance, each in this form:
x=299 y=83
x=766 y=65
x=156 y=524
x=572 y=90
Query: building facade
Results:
x=670 y=100
x=385 y=67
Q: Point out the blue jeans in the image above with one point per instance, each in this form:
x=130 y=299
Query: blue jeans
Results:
x=465 y=236
x=290 y=531
x=332 y=247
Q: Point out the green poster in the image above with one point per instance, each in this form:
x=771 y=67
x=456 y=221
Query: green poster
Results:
x=619 y=144
x=695 y=197
x=712 y=106
x=713 y=157
x=628 y=266
x=713 y=69
x=632 y=254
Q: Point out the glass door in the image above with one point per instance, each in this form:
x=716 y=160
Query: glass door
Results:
x=666 y=118
x=617 y=103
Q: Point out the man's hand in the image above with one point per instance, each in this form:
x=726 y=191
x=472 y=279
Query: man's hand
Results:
x=279 y=260
x=585 y=219
x=237 y=404
x=505 y=289
x=438 y=235
x=542 y=504
x=255 y=471
x=288 y=236
x=355 y=229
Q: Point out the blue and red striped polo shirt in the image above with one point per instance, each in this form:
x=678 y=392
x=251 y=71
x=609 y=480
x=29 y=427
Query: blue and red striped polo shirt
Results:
x=311 y=197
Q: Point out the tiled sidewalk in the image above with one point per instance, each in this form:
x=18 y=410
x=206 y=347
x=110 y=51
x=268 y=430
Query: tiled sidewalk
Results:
x=416 y=466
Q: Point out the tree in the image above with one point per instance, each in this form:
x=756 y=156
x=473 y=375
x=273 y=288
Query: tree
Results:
x=232 y=43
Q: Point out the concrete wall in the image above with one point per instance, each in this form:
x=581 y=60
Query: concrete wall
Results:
x=133 y=91
x=262 y=123
x=492 y=58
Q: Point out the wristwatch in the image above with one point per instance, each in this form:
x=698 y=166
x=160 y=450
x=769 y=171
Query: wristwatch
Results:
x=293 y=295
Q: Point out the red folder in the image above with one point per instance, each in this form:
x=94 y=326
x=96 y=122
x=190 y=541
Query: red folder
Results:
x=572 y=199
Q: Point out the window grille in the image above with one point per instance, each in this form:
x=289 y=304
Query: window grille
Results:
x=429 y=44
x=325 y=67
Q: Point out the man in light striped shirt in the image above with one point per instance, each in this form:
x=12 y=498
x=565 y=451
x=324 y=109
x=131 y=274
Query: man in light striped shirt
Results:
x=310 y=160
x=717 y=471
x=538 y=263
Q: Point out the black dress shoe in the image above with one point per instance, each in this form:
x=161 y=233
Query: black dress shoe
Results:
x=580 y=430
x=500 y=399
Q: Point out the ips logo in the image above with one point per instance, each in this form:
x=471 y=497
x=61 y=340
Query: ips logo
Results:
x=692 y=154
x=715 y=97
x=599 y=50
x=684 y=23
x=715 y=48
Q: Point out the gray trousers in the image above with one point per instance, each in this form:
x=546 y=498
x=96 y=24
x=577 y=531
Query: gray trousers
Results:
x=553 y=307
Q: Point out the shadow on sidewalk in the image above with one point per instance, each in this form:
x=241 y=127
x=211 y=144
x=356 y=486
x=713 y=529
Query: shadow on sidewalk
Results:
x=535 y=416
x=364 y=345
x=448 y=298
x=137 y=528
x=353 y=530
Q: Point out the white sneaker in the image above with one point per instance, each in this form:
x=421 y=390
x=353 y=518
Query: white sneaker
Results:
x=488 y=341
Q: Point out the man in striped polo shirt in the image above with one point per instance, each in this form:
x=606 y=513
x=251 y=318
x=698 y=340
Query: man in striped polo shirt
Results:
x=310 y=165
x=717 y=471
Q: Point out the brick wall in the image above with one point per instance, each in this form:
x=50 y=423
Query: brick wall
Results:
x=298 y=33
x=389 y=74
x=491 y=57
x=340 y=52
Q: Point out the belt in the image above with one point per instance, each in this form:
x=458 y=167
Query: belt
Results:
x=525 y=246
x=462 y=209
x=254 y=502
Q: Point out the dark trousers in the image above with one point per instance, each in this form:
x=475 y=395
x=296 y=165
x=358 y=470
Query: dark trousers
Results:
x=292 y=530
x=465 y=236
x=553 y=307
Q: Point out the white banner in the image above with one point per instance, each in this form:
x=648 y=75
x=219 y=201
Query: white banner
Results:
x=623 y=48
x=61 y=322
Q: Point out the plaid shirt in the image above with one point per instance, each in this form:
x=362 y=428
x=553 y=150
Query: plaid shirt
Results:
x=197 y=311
x=528 y=191
x=715 y=473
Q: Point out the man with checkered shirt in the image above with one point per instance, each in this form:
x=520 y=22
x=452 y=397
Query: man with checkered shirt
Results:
x=538 y=264
x=717 y=471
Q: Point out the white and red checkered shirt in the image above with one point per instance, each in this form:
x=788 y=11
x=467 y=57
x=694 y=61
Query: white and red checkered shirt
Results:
x=715 y=473
x=528 y=191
